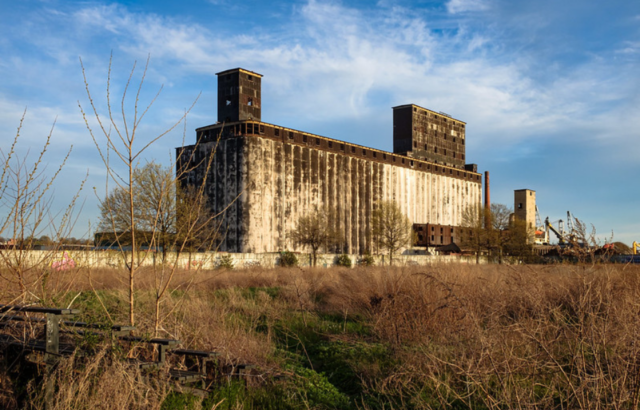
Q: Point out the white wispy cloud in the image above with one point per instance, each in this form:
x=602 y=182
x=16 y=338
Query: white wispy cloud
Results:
x=461 y=6
x=337 y=70
x=341 y=56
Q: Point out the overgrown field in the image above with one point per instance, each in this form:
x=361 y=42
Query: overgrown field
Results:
x=448 y=336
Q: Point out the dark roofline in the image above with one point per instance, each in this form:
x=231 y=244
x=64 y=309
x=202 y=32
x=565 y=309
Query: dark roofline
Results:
x=239 y=69
x=431 y=111
x=349 y=144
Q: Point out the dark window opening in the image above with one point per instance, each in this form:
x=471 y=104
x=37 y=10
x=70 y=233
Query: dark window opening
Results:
x=520 y=206
x=425 y=147
x=250 y=102
x=276 y=132
x=250 y=77
x=375 y=154
x=415 y=144
x=290 y=135
x=342 y=147
x=330 y=144
x=228 y=103
x=384 y=156
x=353 y=149
x=261 y=129
x=317 y=141
x=304 y=138
x=394 y=159
x=403 y=160
x=364 y=152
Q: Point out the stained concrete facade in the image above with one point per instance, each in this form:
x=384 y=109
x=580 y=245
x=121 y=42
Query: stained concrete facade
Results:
x=264 y=177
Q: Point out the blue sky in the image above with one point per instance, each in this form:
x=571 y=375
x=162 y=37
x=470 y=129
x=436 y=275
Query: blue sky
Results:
x=550 y=90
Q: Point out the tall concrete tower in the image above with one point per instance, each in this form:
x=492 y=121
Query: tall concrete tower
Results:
x=239 y=95
x=428 y=135
x=524 y=206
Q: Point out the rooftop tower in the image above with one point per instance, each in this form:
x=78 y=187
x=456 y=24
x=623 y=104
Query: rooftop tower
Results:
x=239 y=95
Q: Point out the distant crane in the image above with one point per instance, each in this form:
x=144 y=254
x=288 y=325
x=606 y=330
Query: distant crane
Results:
x=541 y=235
x=635 y=247
x=570 y=224
x=558 y=232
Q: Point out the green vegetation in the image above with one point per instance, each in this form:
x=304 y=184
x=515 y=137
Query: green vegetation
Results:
x=462 y=337
x=344 y=260
x=226 y=262
x=288 y=259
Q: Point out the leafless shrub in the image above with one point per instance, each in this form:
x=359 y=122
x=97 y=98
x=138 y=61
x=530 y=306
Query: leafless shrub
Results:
x=26 y=214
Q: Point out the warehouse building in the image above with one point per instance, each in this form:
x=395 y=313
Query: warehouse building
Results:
x=263 y=177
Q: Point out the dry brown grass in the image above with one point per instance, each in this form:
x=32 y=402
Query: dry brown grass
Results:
x=471 y=336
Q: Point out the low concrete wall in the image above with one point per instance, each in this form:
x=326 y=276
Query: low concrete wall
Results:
x=211 y=260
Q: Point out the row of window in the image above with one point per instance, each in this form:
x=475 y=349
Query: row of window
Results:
x=437 y=117
x=252 y=128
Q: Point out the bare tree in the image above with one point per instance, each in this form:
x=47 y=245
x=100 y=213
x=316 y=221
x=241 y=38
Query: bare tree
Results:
x=120 y=137
x=476 y=237
x=517 y=241
x=390 y=227
x=316 y=230
x=500 y=215
x=154 y=190
x=26 y=213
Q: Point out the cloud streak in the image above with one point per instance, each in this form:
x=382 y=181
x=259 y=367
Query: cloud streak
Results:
x=526 y=88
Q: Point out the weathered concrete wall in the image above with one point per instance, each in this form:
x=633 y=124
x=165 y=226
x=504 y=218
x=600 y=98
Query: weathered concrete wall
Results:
x=286 y=181
x=211 y=260
x=263 y=186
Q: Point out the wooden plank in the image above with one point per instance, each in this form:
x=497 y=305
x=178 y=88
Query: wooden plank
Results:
x=164 y=342
x=38 y=309
x=199 y=353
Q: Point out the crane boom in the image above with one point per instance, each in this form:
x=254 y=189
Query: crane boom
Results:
x=549 y=226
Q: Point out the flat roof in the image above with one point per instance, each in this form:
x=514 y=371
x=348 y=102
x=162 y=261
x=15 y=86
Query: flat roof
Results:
x=238 y=69
x=428 y=110
x=351 y=144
